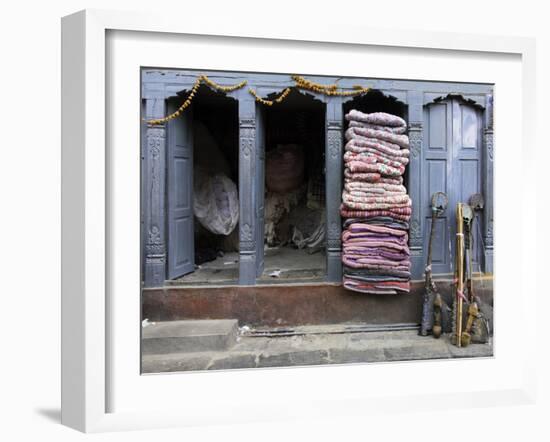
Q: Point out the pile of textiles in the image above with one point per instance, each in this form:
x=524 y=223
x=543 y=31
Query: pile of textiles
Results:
x=375 y=205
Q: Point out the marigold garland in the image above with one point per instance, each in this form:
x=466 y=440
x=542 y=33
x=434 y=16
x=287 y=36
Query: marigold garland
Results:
x=219 y=87
x=200 y=79
x=301 y=83
x=279 y=99
x=329 y=89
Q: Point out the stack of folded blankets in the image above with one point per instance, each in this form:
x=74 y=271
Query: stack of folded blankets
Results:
x=375 y=205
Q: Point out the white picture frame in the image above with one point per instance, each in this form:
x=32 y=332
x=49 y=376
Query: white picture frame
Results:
x=88 y=313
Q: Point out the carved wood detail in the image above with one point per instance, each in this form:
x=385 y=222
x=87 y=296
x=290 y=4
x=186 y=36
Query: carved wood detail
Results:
x=415 y=139
x=489 y=146
x=334 y=139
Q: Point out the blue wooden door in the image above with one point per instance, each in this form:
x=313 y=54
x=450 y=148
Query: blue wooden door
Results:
x=181 y=249
x=259 y=189
x=451 y=163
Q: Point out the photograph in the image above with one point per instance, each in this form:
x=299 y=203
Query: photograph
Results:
x=275 y=221
x=306 y=219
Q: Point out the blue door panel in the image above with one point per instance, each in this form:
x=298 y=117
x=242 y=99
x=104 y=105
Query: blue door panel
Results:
x=181 y=248
x=435 y=178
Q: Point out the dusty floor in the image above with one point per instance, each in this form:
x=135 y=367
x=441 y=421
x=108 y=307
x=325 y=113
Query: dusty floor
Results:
x=316 y=348
x=288 y=264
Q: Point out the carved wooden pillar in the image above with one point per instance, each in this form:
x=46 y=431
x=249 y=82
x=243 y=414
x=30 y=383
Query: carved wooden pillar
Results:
x=247 y=166
x=488 y=147
x=417 y=225
x=154 y=159
x=333 y=177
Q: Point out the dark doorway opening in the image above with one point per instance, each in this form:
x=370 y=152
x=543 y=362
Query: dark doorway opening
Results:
x=295 y=215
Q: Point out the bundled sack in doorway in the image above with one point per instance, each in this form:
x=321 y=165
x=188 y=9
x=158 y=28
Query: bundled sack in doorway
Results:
x=215 y=202
x=284 y=170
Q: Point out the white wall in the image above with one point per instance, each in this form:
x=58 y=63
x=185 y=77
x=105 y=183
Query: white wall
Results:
x=30 y=183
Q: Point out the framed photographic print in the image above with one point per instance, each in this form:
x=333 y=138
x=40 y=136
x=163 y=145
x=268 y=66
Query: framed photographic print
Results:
x=258 y=213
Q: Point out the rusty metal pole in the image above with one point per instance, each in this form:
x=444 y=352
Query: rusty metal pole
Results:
x=459 y=271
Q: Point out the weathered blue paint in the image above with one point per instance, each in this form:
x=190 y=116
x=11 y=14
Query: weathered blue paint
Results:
x=154 y=162
x=474 y=169
x=180 y=222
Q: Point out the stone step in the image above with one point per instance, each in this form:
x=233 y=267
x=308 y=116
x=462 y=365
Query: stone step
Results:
x=317 y=349
x=188 y=336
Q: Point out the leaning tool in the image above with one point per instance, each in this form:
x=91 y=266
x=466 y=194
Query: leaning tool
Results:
x=438 y=306
x=473 y=313
x=476 y=204
x=459 y=297
x=468 y=218
x=438 y=204
x=480 y=327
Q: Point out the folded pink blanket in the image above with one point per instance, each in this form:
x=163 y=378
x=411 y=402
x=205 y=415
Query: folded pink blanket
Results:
x=356 y=263
x=377 y=252
x=366 y=239
x=395 y=199
x=401 y=140
x=394 y=213
x=394 y=130
x=380 y=118
x=359 y=228
x=360 y=145
x=373 y=158
x=371 y=178
x=352 y=203
x=376 y=288
x=355 y=250
x=370 y=150
x=383 y=169
x=372 y=193
x=373 y=187
x=358 y=191
x=384 y=145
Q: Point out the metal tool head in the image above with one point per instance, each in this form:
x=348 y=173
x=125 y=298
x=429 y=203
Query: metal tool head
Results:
x=439 y=202
x=467 y=213
x=476 y=201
